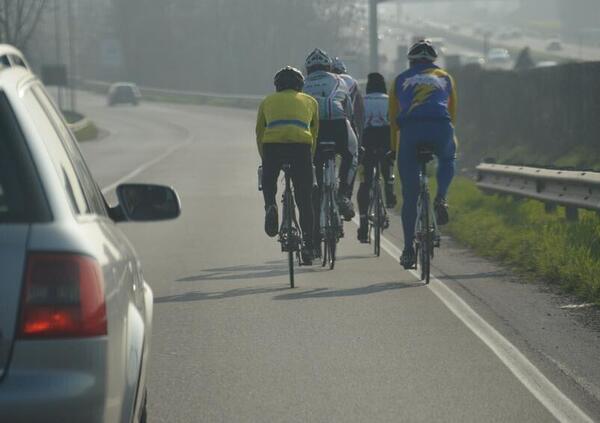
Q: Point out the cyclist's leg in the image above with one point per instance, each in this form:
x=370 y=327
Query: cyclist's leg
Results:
x=353 y=134
x=445 y=150
x=347 y=148
x=366 y=170
x=302 y=179
x=409 y=176
x=386 y=169
x=271 y=167
x=316 y=193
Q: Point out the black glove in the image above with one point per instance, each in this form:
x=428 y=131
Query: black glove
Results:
x=361 y=154
x=390 y=157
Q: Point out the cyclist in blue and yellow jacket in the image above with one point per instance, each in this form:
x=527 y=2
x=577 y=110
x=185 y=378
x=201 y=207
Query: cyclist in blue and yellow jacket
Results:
x=287 y=127
x=422 y=110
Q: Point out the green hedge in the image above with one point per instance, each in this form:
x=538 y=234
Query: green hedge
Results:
x=522 y=235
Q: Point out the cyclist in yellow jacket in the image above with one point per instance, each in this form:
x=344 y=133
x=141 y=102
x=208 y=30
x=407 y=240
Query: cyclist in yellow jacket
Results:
x=286 y=132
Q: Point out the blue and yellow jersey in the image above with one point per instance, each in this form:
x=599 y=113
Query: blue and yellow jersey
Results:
x=423 y=92
x=287 y=117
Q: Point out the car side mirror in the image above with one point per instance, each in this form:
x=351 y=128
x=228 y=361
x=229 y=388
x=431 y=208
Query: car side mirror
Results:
x=146 y=202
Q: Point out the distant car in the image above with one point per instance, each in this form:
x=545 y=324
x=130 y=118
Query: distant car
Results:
x=554 y=45
x=124 y=93
x=498 y=56
x=546 y=64
x=75 y=310
x=472 y=60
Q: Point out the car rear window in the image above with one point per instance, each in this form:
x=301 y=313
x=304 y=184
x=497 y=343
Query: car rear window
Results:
x=21 y=196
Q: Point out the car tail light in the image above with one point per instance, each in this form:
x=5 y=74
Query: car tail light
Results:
x=63 y=297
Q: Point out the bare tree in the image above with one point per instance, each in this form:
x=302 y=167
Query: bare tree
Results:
x=19 y=19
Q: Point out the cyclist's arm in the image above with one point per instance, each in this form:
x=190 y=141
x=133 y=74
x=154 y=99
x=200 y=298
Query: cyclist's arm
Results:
x=314 y=124
x=261 y=124
x=392 y=114
x=453 y=100
x=359 y=114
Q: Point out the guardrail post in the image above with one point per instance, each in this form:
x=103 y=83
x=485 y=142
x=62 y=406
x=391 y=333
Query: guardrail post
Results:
x=572 y=214
x=550 y=207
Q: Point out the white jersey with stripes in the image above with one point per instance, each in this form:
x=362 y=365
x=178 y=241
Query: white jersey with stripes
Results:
x=332 y=94
x=376 y=110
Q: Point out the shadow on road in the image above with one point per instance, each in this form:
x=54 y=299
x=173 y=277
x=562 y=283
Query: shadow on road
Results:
x=350 y=292
x=267 y=270
x=201 y=296
x=484 y=275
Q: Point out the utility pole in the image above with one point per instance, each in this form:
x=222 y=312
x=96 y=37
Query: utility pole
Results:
x=373 y=41
x=72 y=65
x=58 y=46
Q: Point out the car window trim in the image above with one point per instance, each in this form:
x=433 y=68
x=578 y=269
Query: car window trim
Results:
x=91 y=204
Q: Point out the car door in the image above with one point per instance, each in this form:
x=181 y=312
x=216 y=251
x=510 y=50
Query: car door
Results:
x=129 y=321
x=22 y=203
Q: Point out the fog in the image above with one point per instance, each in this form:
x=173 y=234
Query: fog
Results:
x=235 y=46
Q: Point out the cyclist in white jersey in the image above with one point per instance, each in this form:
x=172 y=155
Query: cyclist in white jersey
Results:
x=376 y=138
x=335 y=110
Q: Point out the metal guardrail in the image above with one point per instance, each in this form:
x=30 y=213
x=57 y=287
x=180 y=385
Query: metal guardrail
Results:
x=198 y=96
x=571 y=189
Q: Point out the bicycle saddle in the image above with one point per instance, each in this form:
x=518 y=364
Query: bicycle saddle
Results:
x=327 y=147
x=424 y=153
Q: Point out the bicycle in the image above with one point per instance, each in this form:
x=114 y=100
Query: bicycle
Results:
x=330 y=220
x=377 y=214
x=427 y=235
x=289 y=232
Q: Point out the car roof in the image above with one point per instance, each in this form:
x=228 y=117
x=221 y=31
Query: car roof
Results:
x=123 y=84
x=8 y=51
x=12 y=79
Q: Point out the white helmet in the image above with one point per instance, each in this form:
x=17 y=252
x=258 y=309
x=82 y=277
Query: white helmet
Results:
x=338 y=66
x=318 y=58
x=422 y=50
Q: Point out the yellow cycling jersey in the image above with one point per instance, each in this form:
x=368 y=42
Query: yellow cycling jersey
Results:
x=287 y=117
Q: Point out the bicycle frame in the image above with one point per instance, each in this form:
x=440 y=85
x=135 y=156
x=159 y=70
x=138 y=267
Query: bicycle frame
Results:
x=426 y=229
x=377 y=213
x=330 y=222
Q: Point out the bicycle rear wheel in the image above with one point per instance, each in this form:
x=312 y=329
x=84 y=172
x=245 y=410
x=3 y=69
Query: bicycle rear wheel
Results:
x=426 y=241
x=291 y=267
x=377 y=223
x=332 y=243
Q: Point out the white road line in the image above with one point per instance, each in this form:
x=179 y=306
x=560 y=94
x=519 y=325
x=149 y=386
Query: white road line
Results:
x=147 y=165
x=557 y=403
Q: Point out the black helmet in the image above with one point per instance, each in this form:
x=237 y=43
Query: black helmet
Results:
x=289 y=78
x=375 y=83
x=422 y=50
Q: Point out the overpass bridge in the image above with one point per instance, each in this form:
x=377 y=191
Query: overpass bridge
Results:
x=373 y=25
x=577 y=16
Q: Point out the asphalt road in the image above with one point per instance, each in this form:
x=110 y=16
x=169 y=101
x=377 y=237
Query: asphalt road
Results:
x=365 y=342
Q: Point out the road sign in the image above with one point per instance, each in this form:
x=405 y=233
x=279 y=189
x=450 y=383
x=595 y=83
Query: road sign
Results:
x=55 y=75
x=111 y=53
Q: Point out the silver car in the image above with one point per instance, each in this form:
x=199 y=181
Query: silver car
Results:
x=75 y=311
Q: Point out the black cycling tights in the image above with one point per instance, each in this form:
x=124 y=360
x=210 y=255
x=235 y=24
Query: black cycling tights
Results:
x=300 y=157
x=375 y=139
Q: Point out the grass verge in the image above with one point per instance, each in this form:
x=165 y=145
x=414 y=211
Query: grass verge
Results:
x=522 y=235
x=86 y=132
